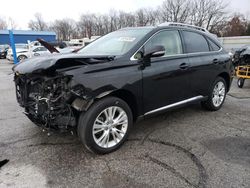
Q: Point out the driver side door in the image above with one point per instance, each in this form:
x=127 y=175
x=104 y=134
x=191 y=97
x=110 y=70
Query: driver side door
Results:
x=166 y=79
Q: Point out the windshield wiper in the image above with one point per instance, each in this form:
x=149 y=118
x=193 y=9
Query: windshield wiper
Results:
x=109 y=58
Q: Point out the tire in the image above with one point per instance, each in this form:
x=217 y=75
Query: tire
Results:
x=240 y=82
x=216 y=95
x=21 y=58
x=96 y=119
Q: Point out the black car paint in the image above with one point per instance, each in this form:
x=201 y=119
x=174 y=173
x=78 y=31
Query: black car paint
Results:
x=161 y=83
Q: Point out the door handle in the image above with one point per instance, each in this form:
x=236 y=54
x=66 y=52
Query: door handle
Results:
x=184 y=66
x=215 y=61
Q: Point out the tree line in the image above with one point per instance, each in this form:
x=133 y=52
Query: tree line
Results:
x=210 y=14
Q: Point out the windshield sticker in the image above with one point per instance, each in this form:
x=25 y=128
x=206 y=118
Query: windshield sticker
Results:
x=126 y=39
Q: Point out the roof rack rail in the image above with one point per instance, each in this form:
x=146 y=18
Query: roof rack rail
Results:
x=184 y=25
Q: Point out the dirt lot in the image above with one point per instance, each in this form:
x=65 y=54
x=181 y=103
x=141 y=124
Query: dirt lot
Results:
x=188 y=147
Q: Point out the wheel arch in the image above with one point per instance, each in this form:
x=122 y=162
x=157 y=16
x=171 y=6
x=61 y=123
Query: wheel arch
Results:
x=226 y=77
x=129 y=98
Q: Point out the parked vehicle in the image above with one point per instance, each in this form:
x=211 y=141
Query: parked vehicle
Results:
x=241 y=61
x=122 y=77
x=242 y=56
x=23 y=54
x=3 y=51
x=20 y=47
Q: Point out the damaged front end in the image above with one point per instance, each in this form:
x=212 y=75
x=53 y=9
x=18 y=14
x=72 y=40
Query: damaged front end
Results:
x=47 y=101
x=48 y=92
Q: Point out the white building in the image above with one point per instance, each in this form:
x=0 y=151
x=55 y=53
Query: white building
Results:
x=234 y=42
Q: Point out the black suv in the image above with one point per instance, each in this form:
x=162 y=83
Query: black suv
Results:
x=123 y=76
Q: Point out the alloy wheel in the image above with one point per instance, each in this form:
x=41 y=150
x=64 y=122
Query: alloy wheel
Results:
x=219 y=93
x=110 y=127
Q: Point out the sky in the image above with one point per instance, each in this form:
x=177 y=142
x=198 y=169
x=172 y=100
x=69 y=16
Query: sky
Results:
x=22 y=11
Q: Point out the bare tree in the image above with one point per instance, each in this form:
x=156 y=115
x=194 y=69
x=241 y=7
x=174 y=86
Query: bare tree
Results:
x=3 y=24
x=11 y=23
x=38 y=24
x=208 y=13
x=65 y=28
x=86 y=24
x=237 y=26
x=175 y=10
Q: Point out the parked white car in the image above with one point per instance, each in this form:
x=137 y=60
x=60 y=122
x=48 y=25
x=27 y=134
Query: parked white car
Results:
x=24 y=53
x=19 y=48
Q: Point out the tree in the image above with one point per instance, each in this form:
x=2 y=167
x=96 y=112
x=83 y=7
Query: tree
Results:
x=3 y=24
x=248 y=29
x=208 y=13
x=175 y=11
x=237 y=26
x=11 y=23
x=65 y=29
x=38 y=24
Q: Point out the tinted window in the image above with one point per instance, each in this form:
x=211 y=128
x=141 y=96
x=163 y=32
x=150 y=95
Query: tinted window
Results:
x=116 y=43
x=169 y=39
x=213 y=46
x=40 y=49
x=195 y=42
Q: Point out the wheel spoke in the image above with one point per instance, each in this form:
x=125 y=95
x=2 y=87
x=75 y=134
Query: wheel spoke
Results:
x=122 y=117
x=109 y=111
x=98 y=130
x=106 y=114
x=97 y=126
x=99 y=141
x=105 y=138
x=119 y=131
x=113 y=112
x=114 y=136
x=117 y=135
x=99 y=121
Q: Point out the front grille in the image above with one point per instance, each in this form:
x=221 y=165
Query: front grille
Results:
x=21 y=90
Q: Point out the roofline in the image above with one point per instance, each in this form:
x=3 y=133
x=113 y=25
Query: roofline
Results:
x=27 y=32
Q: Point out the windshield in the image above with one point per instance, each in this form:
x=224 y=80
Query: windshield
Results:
x=116 y=43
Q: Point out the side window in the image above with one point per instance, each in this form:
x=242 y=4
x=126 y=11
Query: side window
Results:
x=43 y=49
x=195 y=42
x=213 y=46
x=169 y=39
x=37 y=49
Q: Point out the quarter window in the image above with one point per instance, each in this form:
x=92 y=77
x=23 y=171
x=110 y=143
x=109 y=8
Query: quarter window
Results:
x=169 y=39
x=195 y=42
x=213 y=46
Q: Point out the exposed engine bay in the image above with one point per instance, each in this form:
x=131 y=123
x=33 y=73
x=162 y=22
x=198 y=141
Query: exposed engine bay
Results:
x=51 y=98
x=47 y=100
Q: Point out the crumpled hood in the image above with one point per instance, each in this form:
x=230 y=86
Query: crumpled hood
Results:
x=57 y=61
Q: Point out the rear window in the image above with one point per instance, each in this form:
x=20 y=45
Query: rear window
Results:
x=195 y=42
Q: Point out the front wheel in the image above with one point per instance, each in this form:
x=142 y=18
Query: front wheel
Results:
x=21 y=58
x=105 y=126
x=216 y=96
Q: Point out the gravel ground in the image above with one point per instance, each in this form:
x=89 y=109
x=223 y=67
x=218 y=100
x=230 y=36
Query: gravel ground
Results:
x=187 y=147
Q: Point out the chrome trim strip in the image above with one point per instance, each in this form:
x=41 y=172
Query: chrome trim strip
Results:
x=175 y=104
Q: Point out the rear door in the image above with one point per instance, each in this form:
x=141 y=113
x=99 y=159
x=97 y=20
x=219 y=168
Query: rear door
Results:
x=202 y=61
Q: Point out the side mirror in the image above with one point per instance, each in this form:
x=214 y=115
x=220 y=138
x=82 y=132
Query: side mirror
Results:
x=156 y=51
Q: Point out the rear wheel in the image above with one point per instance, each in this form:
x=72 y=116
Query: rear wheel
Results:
x=105 y=126
x=240 y=82
x=217 y=95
